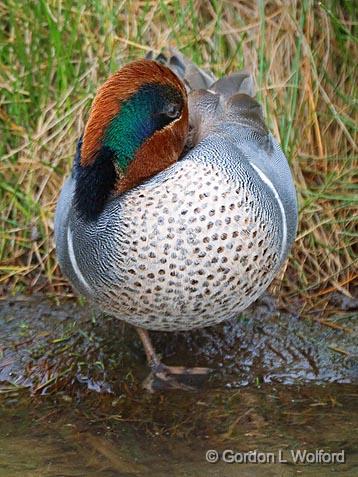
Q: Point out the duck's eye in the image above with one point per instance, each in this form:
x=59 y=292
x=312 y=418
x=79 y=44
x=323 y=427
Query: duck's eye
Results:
x=172 y=110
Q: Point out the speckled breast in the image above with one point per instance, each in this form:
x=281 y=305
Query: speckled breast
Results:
x=188 y=252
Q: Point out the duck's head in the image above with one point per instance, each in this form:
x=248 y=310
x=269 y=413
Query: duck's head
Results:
x=137 y=127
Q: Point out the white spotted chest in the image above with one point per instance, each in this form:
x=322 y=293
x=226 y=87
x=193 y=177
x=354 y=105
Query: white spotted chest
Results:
x=197 y=249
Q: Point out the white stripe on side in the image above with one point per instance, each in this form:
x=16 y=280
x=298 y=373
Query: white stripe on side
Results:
x=73 y=261
x=267 y=181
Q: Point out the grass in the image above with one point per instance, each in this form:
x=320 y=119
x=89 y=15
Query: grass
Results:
x=54 y=54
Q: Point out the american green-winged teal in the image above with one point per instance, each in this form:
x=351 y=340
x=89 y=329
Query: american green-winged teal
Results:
x=181 y=207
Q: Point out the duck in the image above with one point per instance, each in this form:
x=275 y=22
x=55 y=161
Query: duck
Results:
x=180 y=208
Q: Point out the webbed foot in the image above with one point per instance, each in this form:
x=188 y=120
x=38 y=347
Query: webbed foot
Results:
x=164 y=377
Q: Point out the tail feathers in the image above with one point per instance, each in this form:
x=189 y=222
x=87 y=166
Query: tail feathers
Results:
x=192 y=76
x=241 y=82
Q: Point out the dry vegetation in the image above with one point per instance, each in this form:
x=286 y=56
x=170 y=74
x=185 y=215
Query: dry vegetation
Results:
x=303 y=54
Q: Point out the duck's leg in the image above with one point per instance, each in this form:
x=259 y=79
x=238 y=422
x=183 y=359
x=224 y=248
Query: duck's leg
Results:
x=167 y=377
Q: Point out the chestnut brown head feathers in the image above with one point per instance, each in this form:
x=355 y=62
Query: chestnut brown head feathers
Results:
x=138 y=125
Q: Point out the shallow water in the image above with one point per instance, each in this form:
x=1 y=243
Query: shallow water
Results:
x=92 y=436
x=71 y=402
